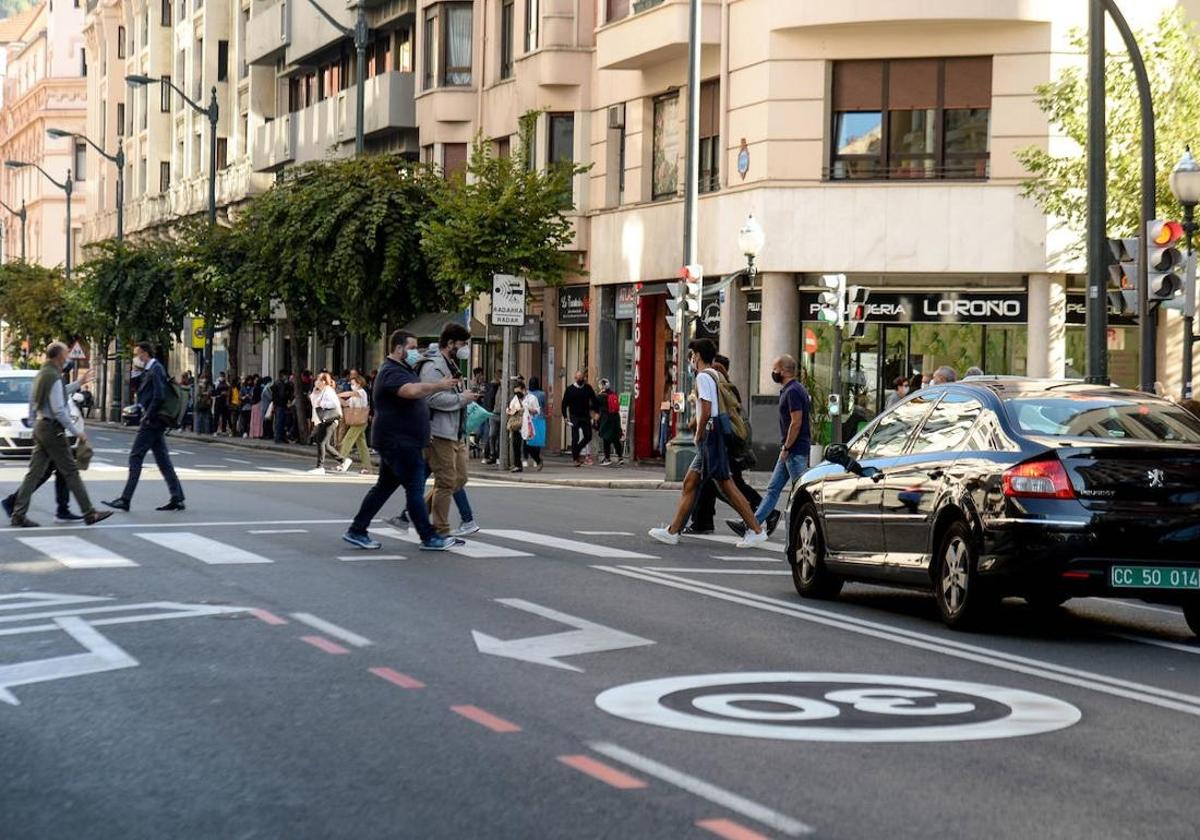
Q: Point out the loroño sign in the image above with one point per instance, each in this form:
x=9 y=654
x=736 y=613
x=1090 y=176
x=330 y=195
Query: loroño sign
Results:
x=508 y=300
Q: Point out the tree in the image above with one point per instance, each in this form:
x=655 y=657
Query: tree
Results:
x=129 y=288
x=33 y=300
x=1058 y=182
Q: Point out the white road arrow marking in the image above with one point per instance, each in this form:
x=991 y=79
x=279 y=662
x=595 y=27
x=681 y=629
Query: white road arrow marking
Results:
x=589 y=637
x=102 y=655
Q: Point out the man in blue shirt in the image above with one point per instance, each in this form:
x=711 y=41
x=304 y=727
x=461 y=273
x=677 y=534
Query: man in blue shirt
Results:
x=795 y=408
x=400 y=433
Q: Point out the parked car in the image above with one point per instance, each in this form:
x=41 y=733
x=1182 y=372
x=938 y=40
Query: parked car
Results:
x=1009 y=486
x=16 y=433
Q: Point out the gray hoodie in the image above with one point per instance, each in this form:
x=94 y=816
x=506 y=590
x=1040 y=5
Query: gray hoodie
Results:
x=447 y=417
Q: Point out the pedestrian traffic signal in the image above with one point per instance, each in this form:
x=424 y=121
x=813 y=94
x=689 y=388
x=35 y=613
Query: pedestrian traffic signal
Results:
x=1122 y=291
x=1164 y=259
x=833 y=300
x=856 y=310
x=685 y=296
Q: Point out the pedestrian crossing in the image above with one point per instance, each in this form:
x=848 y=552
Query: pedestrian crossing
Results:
x=76 y=552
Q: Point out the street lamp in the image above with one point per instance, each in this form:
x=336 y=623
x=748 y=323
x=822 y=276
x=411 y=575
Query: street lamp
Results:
x=359 y=34
x=118 y=159
x=67 y=186
x=1185 y=186
x=22 y=215
x=751 y=239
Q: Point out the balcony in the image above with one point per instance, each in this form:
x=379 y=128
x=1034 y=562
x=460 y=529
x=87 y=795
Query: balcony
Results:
x=268 y=34
x=326 y=129
x=788 y=14
x=654 y=33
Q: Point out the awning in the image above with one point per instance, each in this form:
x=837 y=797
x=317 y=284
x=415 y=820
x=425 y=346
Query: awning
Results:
x=430 y=325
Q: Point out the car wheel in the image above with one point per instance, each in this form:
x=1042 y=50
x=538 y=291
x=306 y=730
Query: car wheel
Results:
x=1191 y=613
x=959 y=595
x=809 y=574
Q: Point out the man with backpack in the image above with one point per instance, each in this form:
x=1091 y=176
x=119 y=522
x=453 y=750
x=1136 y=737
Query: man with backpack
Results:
x=152 y=431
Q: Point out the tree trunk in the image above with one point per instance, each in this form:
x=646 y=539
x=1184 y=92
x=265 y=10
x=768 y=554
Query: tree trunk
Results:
x=234 y=344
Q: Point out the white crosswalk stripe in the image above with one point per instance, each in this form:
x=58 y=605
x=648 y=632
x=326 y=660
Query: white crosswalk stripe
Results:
x=589 y=549
x=202 y=548
x=778 y=547
x=76 y=552
x=473 y=548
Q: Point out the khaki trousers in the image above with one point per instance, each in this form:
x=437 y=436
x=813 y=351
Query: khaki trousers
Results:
x=50 y=447
x=448 y=463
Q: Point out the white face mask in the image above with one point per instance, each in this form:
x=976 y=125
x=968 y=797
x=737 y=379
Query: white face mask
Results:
x=463 y=353
x=138 y=363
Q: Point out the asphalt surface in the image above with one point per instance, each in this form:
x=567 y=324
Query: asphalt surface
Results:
x=237 y=671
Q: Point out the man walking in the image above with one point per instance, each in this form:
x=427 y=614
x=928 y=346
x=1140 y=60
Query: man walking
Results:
x=447 y=454
x=711 y=460
x=400 y=432
x=706 y=506
x=795 y=406
x=50 y=444
x=151 y=434
x=578 y=403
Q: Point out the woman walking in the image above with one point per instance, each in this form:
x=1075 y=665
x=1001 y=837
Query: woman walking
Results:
x=326 y=412
x=354 y=415
x=608 y=406
x=521 y=410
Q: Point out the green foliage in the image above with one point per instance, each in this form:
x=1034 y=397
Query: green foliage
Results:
x=1059 y=182
x=213 y=274
x=129 y=288
x=8 y=8
x=33 y=300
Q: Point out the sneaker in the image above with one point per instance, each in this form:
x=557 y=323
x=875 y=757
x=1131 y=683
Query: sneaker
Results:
x=317 y=471
x=516 y=469
x=605 y=462
x=692 y=529
x=346 y=462
x=752 y=539
x=64 y=516
x=400 y=522
x=773 y=521
x=539 y=466
x=466 y=529
x=664 y=536
x=440 y=543
x=361 y=541
x=737 y=526
x=620 y=462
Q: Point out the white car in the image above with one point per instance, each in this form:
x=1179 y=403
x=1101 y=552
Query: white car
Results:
x=16 y=435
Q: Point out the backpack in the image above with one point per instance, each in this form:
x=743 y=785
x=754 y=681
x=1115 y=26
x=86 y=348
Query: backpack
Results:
x=174 y=404
x=733 y=424
x=614 y=403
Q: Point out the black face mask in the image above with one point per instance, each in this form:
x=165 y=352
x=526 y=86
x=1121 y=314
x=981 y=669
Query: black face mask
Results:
x=777 y=377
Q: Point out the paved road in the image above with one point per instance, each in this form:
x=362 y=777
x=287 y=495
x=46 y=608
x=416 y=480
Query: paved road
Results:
x=237 y=671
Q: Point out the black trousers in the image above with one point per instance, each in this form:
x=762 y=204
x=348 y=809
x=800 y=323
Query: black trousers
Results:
x=151 y=437
x=706 y=504
x=581 y=435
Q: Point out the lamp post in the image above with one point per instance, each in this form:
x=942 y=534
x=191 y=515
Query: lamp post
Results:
x=67 y=186
x=23 y=216
x=751 y=239
x=1185 y=186
x=359 y=34
x=118 y=159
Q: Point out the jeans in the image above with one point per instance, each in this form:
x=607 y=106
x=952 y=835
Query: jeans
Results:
x=151 y=437
x=205 y=426
x=398 y=468
x=788 y=469
x=280 y=419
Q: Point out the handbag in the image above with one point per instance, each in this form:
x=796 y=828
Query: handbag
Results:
x=514 y=422
x=355 y=415
x=270 y=411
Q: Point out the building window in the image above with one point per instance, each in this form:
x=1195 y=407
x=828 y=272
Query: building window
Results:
x=454 y=159
x=615 y=10
x=710 y=136
x=164 y=95
x=222 y=61
x=182 y=10
x=404 y=51
x=80 y=173
x=911 y=118
x=120 y=119
x=142 y=185
x=562 y=138
x=665 y=148
x=120 y=42
x=456 y=44
x=222 y=152
x=503 y=148
x=144 y=106
x=164 y=176
x=243 y=65
x=164 y=13
x=428 y=54
x=83 y=62
x=146 y=26
x=506 y=38
x=531 y=25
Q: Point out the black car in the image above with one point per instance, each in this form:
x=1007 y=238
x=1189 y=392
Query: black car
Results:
x=999 y=486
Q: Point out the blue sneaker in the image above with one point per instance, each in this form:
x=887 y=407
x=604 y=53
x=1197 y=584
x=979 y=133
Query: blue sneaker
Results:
x=440 y=543
x=361 y=541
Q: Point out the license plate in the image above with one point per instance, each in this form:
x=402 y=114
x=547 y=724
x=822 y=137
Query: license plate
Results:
x=1154 y=577
x=25 y=434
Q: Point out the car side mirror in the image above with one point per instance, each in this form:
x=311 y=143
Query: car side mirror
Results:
x=837 y=453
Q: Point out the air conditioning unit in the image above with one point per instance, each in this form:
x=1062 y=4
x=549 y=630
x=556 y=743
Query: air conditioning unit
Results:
x=616 y=116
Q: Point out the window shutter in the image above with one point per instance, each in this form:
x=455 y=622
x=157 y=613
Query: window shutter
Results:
x=710 y=109
x=858 y=86
x=912 y=84
x=968 y=82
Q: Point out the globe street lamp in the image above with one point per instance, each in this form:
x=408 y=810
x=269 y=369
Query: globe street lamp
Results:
x=67 y=186
x=1185 y=186
x=118 y=159
x=751 y=239
x=23 y=216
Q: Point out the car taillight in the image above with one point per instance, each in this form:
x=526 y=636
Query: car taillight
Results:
x=1044 y=478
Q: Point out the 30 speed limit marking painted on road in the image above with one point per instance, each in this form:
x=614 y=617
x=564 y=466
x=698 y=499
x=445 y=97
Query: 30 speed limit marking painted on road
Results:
x=856 y=708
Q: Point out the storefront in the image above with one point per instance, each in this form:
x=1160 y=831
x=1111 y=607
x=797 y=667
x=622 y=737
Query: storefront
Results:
x=655 y=368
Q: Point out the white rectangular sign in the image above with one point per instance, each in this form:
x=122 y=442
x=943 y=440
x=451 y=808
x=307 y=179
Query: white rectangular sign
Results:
x=508 y=300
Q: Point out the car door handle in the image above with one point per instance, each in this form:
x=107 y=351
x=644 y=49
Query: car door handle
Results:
x=877 y=476
x=935 y=474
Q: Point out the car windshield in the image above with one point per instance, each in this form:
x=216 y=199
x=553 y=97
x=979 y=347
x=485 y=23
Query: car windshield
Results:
x=1112 y=418
x=15 y=389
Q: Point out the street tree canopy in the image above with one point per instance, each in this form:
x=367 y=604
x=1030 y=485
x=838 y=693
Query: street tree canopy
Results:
x=33 y=300
x=1058 y=181
x=131 y=287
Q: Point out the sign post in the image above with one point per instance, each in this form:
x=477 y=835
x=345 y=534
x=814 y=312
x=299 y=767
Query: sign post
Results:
x=508 y=311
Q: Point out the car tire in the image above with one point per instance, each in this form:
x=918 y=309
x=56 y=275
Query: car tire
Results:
x=1191 y=614
x=810 y=576
x=961 y=598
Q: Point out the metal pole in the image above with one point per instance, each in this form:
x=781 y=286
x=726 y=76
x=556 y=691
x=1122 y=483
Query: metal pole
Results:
x=67 y=188
x=835 y=386
x=1097 y=199
x=213 y=113
x=360 y=46
x=119 y=160
x=24 y=216
x=1189 y=295
x=502 y=400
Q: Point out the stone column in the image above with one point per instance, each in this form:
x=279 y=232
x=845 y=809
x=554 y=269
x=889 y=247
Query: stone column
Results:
x=1047 y=332
x=780 y=324
x=734 y=338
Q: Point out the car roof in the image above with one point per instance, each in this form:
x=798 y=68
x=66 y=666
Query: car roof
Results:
x=1007 y=387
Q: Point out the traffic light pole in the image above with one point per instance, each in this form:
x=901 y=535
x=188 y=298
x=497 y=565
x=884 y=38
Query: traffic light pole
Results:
x=1097 y=201
x=835 y=386
x=1189 y=297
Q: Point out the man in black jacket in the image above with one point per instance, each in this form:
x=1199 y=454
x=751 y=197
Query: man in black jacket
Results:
x=578 y=403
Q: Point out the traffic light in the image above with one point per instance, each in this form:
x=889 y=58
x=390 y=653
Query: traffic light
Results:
x=1164 y=259
x=685 y=296
x=1122 y=291
x=832 y=300
x=856 y=310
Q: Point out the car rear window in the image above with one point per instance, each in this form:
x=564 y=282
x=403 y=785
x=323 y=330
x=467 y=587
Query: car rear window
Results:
x=15 y=389
x=1111 y=418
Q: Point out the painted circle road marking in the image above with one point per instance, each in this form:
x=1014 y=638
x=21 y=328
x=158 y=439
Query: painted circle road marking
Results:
x=852 y=708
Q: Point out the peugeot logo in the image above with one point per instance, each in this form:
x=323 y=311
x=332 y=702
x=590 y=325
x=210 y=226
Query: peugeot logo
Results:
x=1156 y=478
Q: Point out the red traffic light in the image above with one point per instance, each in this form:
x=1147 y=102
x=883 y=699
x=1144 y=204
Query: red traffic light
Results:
x=1165 y=234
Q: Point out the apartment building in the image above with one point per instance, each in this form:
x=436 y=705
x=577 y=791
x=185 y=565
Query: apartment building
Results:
x=44 y=68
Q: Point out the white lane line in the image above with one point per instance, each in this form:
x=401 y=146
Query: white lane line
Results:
x=76 y=553
x=777 y=547
x=1127 y=689
x=174 y=452
x=547 y=541
x=331 y=629
x=102 y=655
x=212 y=466
x=238 y=461
x=742 y=558
x=369 y=555
x=473 y=548
x=27 y=600
x=212 y=524
x=1146 y=640
x=605 y=533
x=203 y=549
x=282 y=470
x=279 y=531
x=705 y=790
x=1112 y=602
x=711 y=571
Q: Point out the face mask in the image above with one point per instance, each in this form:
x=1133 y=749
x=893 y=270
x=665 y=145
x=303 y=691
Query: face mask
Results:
x=412 y=357
x=777 y=377
x=463 y=353
x=138 y=363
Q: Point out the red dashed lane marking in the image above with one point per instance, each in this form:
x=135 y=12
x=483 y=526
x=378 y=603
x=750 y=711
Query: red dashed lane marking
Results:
x=496 y=724
x=730 y=830
x=402 y=680
x=611 y=776
x=267 y=617
x=324 y=644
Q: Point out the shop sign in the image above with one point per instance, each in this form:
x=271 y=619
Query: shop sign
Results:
x=1077 y=313
x=574 y=305
x=626 y=303
x=708 y=325
x=531 y=331
x=934 y=307
x=754 y=307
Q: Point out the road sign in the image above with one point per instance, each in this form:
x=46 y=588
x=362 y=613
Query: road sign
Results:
x=848 y=708
x=508 y=300
x=77 y=352
x=546 y=650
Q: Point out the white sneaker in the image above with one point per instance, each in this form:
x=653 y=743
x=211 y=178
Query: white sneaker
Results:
x=664 y=536
x=752 y=539
x=317 y=471
x=466 y=529
x=346 y=462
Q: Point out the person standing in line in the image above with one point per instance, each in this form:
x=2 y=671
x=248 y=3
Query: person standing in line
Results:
x=944 y=375
x=608 y=406
x=795 y=409
x=356 y=435
x=281 y=400
x=326 y=412
x=705 y=512
x=204 y=405
x=220 y=404
x=302 y=408
x=524 y=407
x=235 y=406
x=899 y=392
x=973 y=370
x=247 y=403
x=400 y=432
x=578 y=402
x=712 y=458
x=491 y=451
x=535 y=444
x=151 y=433
x=447 y=454
x=257 y=407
